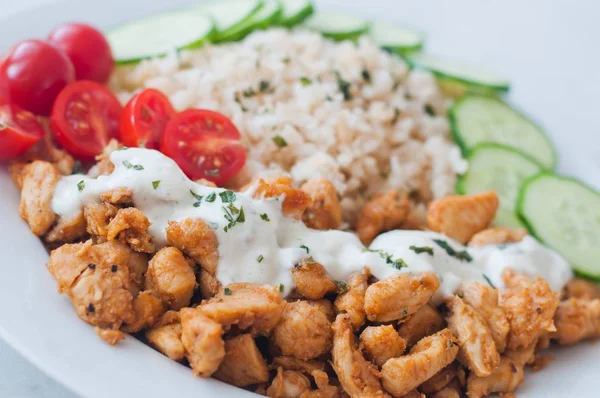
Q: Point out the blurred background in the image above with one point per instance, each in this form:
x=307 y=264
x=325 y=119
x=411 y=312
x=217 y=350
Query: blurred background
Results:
x=548 y=50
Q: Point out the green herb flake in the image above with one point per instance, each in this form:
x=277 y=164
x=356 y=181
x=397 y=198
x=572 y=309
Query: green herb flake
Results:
x=462 y=255
x=260 y=258
x=366 y=75
x=128 y=164
x=227 y=291
x=194 y=194
x=404 y=313
x=396 y=263
x=265 y=217
x=227 y=196
x=422 y=249
x=234 y=216
x=429 y=110
x=281 y=288
x=81 y=185
x=286 y=60
x=263 y=86
x=280 y=141
x=384 y=175
x=344 y=87
x=305 y=248
x=197 y=204
x=342 y=287
x=397 y=113
x=155 y=184
x=210 y=197
x=249 y=92
x=488 y=280
x=305 y=81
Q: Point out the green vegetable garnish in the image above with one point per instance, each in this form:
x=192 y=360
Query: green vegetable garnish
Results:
x=279 y=141
x=80 y=185
x=155 y=184
x=211 y=197
x=462 y=255
x=227 y=196
x=422 y=249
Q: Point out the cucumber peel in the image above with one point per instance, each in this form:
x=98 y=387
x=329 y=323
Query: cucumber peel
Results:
x=337 y=26
x=396 y=38
x=264 y=17
x=295 y=12
x=229 y=15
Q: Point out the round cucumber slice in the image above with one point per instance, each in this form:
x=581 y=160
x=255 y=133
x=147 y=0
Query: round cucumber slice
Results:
x=470 y=78
x=396 y=38
x=564 y=214
x=475 y=119
x=263 y=18
x=229 y=15
x=295 y=11
x=337 y=26
x=494 y=167
x=159 y=34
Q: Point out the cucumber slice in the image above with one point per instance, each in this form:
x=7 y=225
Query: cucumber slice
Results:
x=475 y=119
x=396 y=38
x=295 y=12
x=229 y=15
x=465 y=78
x=337 y=26
x=494 y=167
x=158 y=34
x=263 y=18
x=564 y=214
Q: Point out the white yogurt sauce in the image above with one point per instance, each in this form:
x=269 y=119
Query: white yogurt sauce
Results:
x=262 y=251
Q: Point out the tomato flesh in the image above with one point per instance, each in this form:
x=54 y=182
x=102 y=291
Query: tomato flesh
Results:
x=85 y=117
x=205 y=144
x=144 y=119
x=19 y=130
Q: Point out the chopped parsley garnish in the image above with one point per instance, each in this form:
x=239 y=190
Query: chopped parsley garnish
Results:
x=260 y=258
x=210 y=197
x=384 y=174
x=404 y=313
x=462 y=255
x=281 y=288
x=342 y=286
x=213 y=172
x=155 y=184
x=305 y=248
x=81 y=185
x=234 y=216
x=194 y=194
x=422 y=249
x=264 y=86
x=128 y=164
x=227 y=196
x=488 y=280
x=265 y=217
x=305 y=81
x=227 y=291
x=239 y=101
x=197 y=204
x=397 y=263
x=249 y=92
x=344 y=87
x=280 y=141
x=286 y=60
x=366 y=75
x=397 y=113
x=429 y=110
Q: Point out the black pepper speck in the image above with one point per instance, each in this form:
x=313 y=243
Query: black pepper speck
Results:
x=92 y=266
x=91 y=308
x=114 y=268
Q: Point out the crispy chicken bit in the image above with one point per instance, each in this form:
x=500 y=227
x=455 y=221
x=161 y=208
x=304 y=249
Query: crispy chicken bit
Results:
x=97 y=217
x=506 y=378
x=131 y=226
x=382 y=213
x=288 y=384
x=426 y=321
x=117 y=196
x=399 y=296
x=430 y=355
x=292 y=363
x=461 y=217
x=39 y=182
x=414 y=394
x=381 y=343
x=148 y=309
x=197 y=240
x=325 y=211
x=577 y=320
x=440 y=380
x=208 y=285
x=352 y=302
x=529 y=306
x=311 y=280
x=295 y=201
x=67 y=230
x=324 y=389
x=581 y=288
x=484 y=300
x=171 y=278
x=112 y=337
x=45 y=150
x=304 y=331
x=68 y=262
x=358 y=377
x=497 y=236
x=243 y=363
x=201 y=337
x=247 y=305
x=477 y=348
x=104 y=166
x=452 y=390
x=166 y=336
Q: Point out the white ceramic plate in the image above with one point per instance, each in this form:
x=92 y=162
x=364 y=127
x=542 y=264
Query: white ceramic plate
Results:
x=561 y=92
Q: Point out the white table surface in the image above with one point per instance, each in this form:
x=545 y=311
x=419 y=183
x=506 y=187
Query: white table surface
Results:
x=536 y=43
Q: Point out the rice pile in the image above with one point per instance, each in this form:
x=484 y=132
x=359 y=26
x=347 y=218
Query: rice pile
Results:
x=349 y=112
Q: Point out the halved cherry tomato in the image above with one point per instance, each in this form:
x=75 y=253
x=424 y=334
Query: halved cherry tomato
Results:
x=205 y=144
x=144 y=119
x=84 y=118
x=19 y=130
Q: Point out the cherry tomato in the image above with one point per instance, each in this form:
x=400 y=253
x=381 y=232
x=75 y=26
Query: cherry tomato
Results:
x=87 y=48
x=19 y=130
x=32 y=75
x=144 y=119
x=84 y=118
x=204 y=144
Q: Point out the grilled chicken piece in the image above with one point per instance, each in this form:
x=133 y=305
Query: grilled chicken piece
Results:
x=148 y=309
x=130 y=225
x=38 y=185
x=352 y=301
x=67 y=230
x=197 y=240
x=426 y=321
x=165 y=336
x=382 y=213
x=203 y=342
x=288 y=384
x=381 y=343
x=312 y=281
x=576 y=320
x=295 y=201
x=97 y=217
x=243 y=364
x=497 y=236
x=325 y=211
x=171 y=278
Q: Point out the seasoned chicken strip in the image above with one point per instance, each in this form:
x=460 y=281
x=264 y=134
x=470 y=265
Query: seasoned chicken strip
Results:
x=461 y=217
x=295 y=201
x=111 y=336
x=67 y=230
x=304 y=331
x=325 y=390
x=576 y=320
x=325 y=211
x=497 y=236
x=381 y=343
x=477 y=348
x=582 y=288
x=165 y=336
x=506 y=378
x=247 y=305
x=171 y=278
x=399 y=296
x=39 y=182
x=208 y=285
x=197 y=240
x=130 y=225
x=426 y=321
x=358 y=377
x=311 y=280
x=430 y=355
x=243 y=364
x=288 y=384
x=352 y=301
x=382 y=213
x=148 y=309
x=452 y=390
x=440 y=380
x=97 y=217
x=203 y=342
x=292 y=363
x=484 y=300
